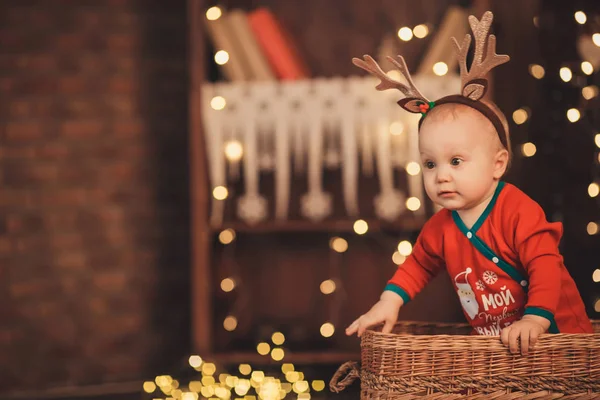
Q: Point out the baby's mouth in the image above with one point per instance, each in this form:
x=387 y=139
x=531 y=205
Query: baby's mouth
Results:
x=446 y=193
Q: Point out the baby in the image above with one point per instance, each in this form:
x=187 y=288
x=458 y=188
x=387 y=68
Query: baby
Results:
x=493 y=240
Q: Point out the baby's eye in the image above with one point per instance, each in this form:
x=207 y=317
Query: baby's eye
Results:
x=429 y=164
x=456 y=161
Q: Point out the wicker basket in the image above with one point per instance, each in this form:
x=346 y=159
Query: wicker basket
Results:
x=443 y=361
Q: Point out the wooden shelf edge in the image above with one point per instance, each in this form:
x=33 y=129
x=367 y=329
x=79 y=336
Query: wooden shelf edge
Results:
x=342 y=226
x=310 y=357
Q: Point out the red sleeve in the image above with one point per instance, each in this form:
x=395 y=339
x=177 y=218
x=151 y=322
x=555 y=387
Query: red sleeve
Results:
x=536 y=243
x=423 y=264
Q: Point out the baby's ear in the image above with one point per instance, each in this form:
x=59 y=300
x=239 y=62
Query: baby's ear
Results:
x=500 y=163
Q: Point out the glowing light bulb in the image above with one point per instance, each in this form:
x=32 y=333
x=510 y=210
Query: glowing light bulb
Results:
x=413 y=168
x=566 y=74
x=213 y=13
x=327 y=329
x=338 y=244
x=520 y=116
x=580 y=17
x=327 y=287
x=440 y=68
x=220 y=193
x=587 y=68
x=413 y=203
x=405 y=33
x=233 y=150
x=573 y=115
x=528 y=149
x=218 y=103
x=420 y=31
x=361 y=227
x=405 y=248
x=537 y=71
x=221 y=57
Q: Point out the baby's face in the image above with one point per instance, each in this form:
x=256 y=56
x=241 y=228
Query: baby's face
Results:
x=459 y=158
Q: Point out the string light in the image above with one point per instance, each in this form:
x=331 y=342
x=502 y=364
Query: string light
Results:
x=528 y=149
x=405 y=33
x=233 y=150
x=395 y=74
x=596 y=39
x=277 y=354
x=597 y=139
x=420 y=31
x=327 y=329
x=227 y=236
x=149 y=387
x=318 y=385
x=597 y=306
x=221 y=57
x=208 y=369
x=263 y=349
x=596 y=276
x=587 y=67
x=218 y=103
x=338 y=244
x=593 y=189
x=573 y=115
x=405 y=248
x=227 y=285
x=592 y=228
x=580 y=17
x=398 y=258
x=220 y=193
x=278 y=338
x=440 y=68
x=589 y=92
x=396 y=128
x=287 y=367
x=327 y=287
x=245 y=369
x=537 y=71
x=292 y=376
x=520 y=116
x=413 y=168
x=566 y=74
x=230 y=323
x=413 y=203
x=195 y=361
x=213 y=13
x=361 y=227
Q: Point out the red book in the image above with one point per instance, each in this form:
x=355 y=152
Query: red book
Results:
x=277 y=45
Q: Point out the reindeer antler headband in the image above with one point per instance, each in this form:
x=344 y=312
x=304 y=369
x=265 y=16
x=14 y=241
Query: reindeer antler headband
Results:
x=473 y=81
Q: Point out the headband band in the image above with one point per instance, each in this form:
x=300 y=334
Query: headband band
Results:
x=476 y=105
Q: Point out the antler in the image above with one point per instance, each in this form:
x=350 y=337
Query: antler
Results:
x=413 y=97
x=473 y=80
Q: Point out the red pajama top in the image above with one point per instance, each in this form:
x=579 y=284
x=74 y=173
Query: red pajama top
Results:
x=505 y=266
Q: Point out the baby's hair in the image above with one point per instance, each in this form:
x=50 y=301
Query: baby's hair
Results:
x=454 y=109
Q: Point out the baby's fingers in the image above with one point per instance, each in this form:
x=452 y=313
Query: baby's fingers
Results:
x=513 y=338
x=525 y=341
x=352 y=328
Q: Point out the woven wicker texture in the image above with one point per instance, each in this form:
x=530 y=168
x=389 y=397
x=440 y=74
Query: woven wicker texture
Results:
x=442 y=361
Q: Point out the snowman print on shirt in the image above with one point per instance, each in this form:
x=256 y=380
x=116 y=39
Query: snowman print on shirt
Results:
x=466 y=294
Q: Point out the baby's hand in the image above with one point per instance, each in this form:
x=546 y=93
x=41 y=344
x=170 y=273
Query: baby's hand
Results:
x=528 y=329
x=385 y=310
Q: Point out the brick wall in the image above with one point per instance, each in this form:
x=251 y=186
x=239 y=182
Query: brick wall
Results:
x=93 y=192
